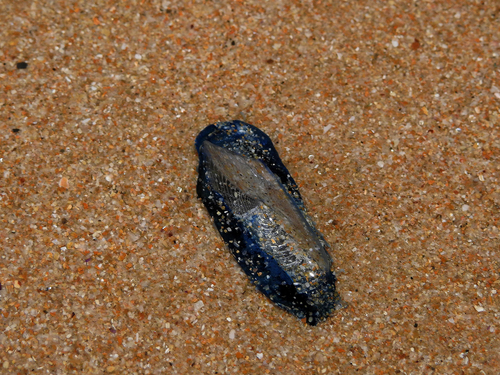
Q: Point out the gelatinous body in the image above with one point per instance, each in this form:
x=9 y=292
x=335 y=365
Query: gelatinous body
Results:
x=258 y=210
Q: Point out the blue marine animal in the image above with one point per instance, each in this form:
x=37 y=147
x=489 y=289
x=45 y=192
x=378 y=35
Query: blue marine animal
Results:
x=258 y=210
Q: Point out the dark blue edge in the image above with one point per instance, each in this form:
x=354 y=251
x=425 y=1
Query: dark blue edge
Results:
x=278 y=286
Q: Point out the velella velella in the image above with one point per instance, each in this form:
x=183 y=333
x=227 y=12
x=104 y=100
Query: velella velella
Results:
x=259 y=212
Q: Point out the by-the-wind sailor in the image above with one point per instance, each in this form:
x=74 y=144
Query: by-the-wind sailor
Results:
x=258 y=210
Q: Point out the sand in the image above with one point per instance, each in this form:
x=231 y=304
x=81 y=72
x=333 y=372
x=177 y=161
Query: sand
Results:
x=385 y=112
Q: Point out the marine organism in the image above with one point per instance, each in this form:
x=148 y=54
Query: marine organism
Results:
x=259 y=212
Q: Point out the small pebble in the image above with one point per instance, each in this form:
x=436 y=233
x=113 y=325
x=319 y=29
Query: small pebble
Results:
x=64 y=183
x=198 y=305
